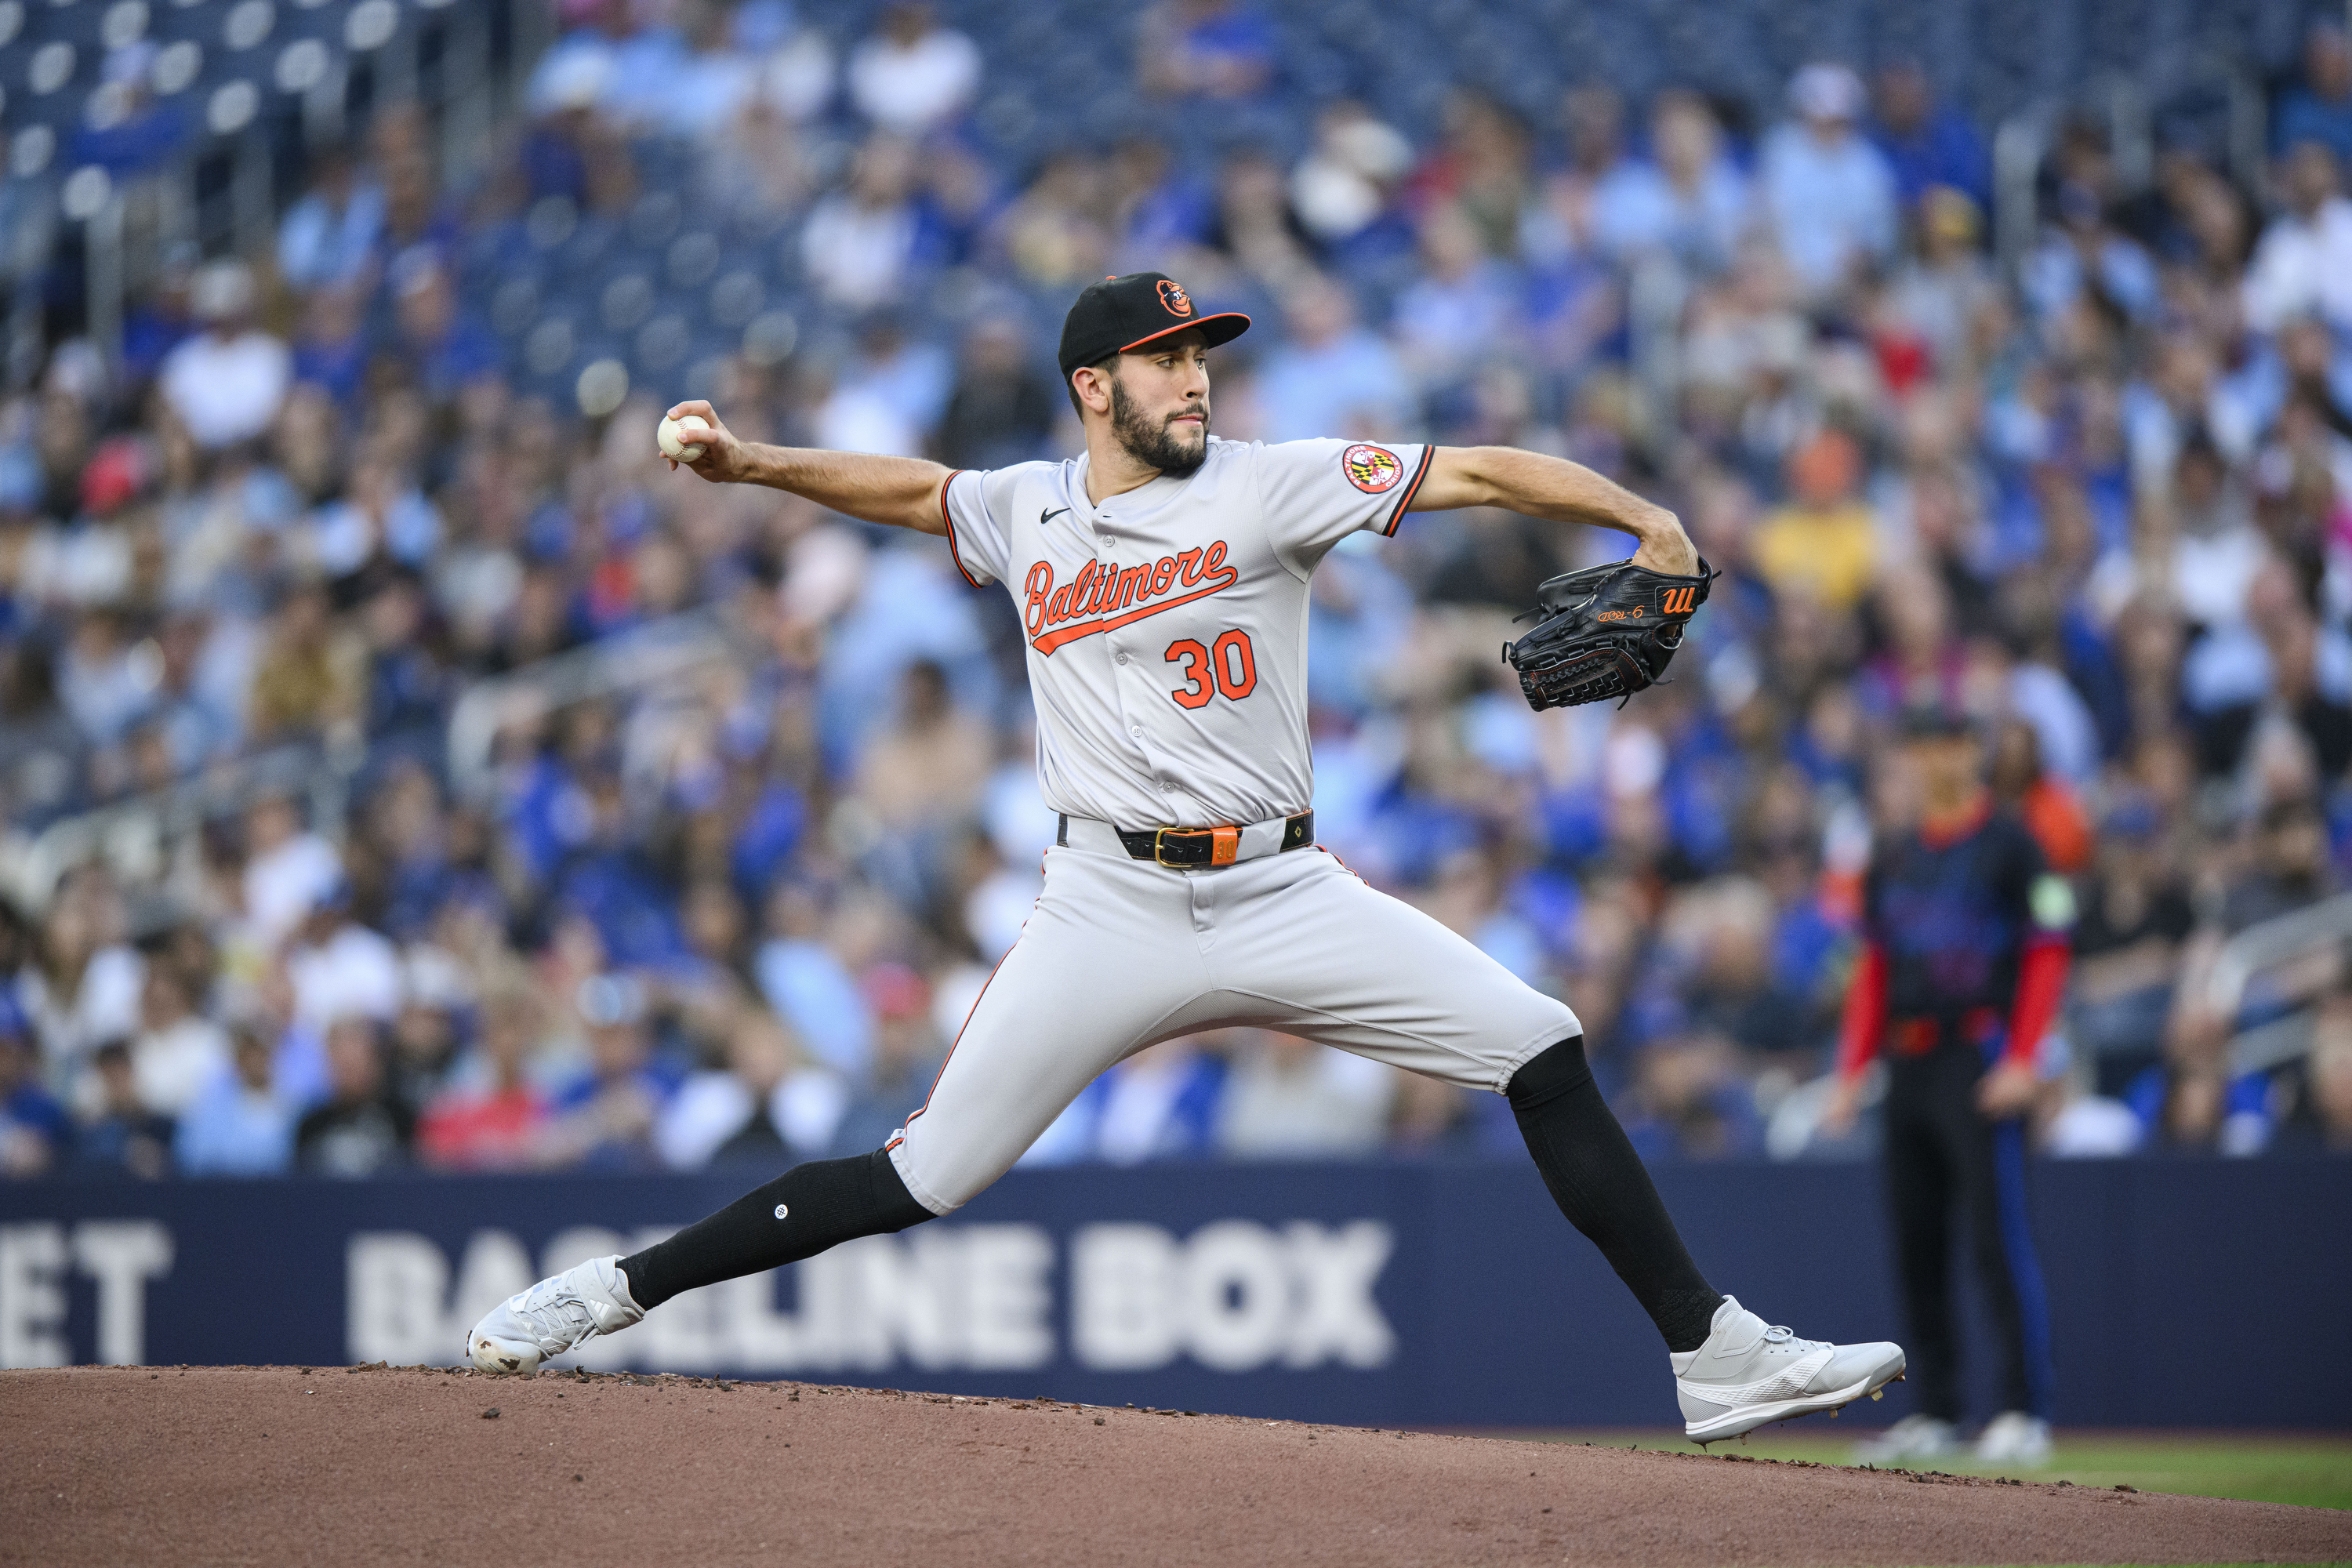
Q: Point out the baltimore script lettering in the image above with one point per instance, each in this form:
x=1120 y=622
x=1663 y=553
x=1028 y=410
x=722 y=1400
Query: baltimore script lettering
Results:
x=1105 y=592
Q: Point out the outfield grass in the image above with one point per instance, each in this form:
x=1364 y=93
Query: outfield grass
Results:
x=2316 y=1471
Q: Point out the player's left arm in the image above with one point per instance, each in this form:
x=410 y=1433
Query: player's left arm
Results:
x=2048 y=907
x=1553 y=488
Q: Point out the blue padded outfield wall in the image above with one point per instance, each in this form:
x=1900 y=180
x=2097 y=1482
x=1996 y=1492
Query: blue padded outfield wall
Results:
x=2184 y=1293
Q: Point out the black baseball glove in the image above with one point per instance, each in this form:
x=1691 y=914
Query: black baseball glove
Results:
x=1604 y=632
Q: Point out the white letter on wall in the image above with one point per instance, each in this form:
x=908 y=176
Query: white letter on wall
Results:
x=32 y=1296
x=122 y=1255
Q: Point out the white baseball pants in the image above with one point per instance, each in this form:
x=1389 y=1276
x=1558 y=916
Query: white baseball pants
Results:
x=1121 y=953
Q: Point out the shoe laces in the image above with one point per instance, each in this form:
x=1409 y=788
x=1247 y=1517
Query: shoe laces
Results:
x=552 y=1298
x=1780 y=1334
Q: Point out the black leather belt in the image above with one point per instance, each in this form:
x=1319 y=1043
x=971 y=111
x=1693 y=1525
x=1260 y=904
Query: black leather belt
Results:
x=1187 y=846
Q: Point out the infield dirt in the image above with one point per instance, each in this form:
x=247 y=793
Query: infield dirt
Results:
x=118 y=1465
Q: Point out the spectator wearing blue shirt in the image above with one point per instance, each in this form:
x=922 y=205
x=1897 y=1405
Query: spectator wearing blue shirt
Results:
x=1165 y=1102
x=906 y=1060
x=1829 y=193
x=809 y=986
x=1159 y=209
x=1332 y=376
x=2191 y=1106
x=240 y=1126
x=121 y=1136
x=35 y=1131
x=604 y=1119
x=328 y=238
x=446 y=348
x=1206 y=49
x=331 y=344
x=158 y=322
x=1686 y=199
x=125 y=130
x=1465 y=306
x=1926 y=143
x=2320 y=109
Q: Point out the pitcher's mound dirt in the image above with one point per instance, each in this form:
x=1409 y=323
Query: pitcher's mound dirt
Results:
x=118 y=1465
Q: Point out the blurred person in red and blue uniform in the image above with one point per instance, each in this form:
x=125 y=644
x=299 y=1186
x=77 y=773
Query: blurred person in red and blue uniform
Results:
x=1966 y=945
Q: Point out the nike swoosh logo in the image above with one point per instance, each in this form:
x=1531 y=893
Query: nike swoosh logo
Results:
x=1045 y=517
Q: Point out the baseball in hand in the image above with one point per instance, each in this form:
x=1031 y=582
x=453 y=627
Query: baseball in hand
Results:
x=673 y=438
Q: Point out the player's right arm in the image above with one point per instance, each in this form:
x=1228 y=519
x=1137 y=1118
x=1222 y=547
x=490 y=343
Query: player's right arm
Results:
x=1863 y=1021
x=900 y=492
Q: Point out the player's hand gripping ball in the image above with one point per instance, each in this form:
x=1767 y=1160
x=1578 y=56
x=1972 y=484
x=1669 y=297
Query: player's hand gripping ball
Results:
x=674 y=435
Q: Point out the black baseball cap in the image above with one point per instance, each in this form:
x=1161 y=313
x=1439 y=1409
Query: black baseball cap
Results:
x=1126 y=312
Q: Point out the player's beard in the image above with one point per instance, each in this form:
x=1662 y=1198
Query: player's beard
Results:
x=1153 y=443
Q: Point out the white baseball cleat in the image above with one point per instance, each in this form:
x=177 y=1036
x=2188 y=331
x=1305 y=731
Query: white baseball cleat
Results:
x=552 y=1316
x=1749 y=1375
x=2014 y=1438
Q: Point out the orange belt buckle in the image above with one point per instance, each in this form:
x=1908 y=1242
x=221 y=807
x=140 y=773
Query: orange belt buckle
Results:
x=1224 y=845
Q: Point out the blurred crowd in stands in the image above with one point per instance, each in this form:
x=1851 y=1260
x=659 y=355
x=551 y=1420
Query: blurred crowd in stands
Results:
x=314 y=496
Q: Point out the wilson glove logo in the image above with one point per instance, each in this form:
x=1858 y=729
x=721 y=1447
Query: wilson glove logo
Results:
x=1676 y=602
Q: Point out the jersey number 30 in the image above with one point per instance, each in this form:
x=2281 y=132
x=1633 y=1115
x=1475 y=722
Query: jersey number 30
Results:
x=1229 y=666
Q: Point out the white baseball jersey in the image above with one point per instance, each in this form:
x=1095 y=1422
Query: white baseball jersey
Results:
x=1167 y=627
x=1167 y=633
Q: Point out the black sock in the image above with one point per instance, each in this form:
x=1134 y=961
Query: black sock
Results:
x=1600 y=1185
x=800 y=1214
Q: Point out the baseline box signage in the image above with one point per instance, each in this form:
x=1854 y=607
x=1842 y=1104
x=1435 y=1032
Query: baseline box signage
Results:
x=1235 y=1295
x=1440 y=1293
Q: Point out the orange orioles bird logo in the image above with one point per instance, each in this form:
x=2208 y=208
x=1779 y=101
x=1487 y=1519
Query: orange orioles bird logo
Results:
x=1172 y=295
x=1370 y=470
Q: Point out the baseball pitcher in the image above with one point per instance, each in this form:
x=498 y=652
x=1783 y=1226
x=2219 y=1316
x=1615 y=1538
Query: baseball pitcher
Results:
x=1162 y=582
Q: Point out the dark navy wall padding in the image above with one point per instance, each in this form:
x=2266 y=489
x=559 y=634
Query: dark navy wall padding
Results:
x=2182 y=1293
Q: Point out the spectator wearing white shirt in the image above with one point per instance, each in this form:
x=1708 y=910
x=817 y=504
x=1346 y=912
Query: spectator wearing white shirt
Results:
x=713 y=80
x=178 y=1052
x=860 y=240
x=1291 y=1098
x=580 y=68
x=2304 y=264
x=228 y=382
x=287 y=869
x=913 y=75
x=1829 y=194
x=82 y=988
x=796 y=64
x=338 y=968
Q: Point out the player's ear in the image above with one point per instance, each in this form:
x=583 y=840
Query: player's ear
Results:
x=1090 y=387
